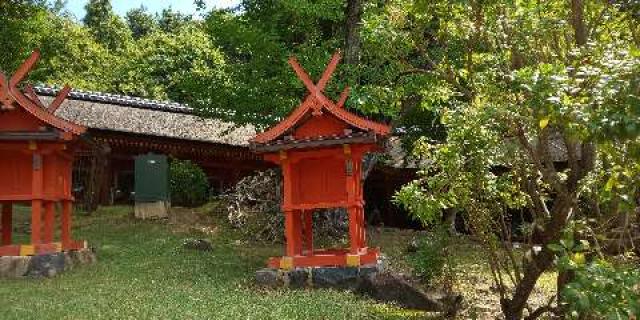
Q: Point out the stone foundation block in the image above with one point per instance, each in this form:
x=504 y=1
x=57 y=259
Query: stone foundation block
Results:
x=44 y=265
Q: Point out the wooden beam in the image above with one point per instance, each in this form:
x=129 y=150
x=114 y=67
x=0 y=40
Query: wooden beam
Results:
x=62 y=95
x=24 y=69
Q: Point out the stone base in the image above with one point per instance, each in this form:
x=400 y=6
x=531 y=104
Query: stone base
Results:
x=44 y=265
x=347 y=278
x=152 y=210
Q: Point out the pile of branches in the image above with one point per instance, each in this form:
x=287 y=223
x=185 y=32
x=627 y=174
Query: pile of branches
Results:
x=254 y=208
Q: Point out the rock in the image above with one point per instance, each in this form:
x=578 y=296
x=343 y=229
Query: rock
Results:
x=297 y=278
x=46 y=265
x=14 y=267
x=339 y=278
x=370 y=270
x=413 y=246
x=269 y=278
x=197 y=244
x=388 y=287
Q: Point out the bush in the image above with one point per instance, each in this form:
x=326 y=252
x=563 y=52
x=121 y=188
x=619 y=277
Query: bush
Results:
x=189 y=184
x=430 y=258
x=601 y=290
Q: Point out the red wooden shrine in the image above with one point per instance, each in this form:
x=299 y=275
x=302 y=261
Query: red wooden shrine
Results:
x=35 y=165
x=320 y=147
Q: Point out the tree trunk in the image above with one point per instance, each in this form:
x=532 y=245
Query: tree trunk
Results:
x=353 y=16
x=577 y=21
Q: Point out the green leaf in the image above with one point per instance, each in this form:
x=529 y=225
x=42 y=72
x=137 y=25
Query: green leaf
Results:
x=555 y=247
x=544 y=122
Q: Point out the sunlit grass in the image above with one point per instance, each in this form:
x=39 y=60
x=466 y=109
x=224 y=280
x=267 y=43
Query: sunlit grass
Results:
x=144 y=273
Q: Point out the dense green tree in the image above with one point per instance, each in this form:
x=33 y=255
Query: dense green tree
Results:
x=141 y=22
x=512 y=82
x=107 y=28
x=69 y=53
x=172 y=21
x=182 y=66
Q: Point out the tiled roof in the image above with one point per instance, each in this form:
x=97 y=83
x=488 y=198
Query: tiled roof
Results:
x=142 y=116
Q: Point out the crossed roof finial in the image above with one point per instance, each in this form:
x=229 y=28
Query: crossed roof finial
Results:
x=11 y=96
x=317 y=97
x=10 y=93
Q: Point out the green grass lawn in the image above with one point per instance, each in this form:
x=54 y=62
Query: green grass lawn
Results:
x=144 y=273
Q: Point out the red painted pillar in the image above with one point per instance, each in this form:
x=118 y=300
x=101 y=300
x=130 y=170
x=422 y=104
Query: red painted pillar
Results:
x=36 y=221
x=297 y=235
x=353 y=230
x=65 y=223
x=363 y=228
x=308 y=231
x=289 y=228
x=7 y=213
x=49 y=221
x=37 y=193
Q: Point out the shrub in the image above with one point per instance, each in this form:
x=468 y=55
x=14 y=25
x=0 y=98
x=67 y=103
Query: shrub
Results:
x=189 y=184
x=601 y=290
x=430 y=258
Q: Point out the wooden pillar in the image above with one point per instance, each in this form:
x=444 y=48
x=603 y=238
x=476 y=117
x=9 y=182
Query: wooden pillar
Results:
x=308 y=231
x=7 y=213
x=353 y=230
x=297 y=232
x=363 y=228
x=36 y=221
x=49 y=221
x=37 y=193
x=289 y=227
x=65 y=223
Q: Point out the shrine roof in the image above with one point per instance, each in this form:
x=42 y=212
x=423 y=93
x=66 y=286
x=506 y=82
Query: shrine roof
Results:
x=120 y=113
x=317 y=103
x=297 y=117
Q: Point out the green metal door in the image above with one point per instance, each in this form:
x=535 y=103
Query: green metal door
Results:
x=152 y=178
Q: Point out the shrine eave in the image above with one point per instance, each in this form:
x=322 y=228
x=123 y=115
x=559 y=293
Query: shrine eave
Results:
x=31 y=136
x=316 y=142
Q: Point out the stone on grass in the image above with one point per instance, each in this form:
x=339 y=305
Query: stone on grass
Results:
x=297 y=278
x=14 y=267
x=338 y=278
x=198 y=244
x=46 y=265
x=389 y=287
x=269 y=278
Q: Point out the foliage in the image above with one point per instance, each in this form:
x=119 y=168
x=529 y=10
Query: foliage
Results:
x=431 y=257
x=189 y=184
x=141 y=22
x=602 y=290
x=106 y=26
x=519 y=80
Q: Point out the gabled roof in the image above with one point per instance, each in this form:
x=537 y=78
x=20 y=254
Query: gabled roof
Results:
x=11 y=96
x=119 y=113
x=307 y=107
x=315 y=103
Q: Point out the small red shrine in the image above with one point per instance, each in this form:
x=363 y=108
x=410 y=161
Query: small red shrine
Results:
x=35 y=165
x=320 y=147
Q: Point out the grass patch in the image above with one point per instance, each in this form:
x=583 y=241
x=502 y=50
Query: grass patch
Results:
x=143 y=272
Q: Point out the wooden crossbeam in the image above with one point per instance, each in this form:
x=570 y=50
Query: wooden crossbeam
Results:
x=316 y=90
x=24 y=69
x=62 y=95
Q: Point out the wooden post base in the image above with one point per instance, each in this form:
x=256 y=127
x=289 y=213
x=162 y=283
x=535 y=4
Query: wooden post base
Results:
x=327 y=258
x=42 y=248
